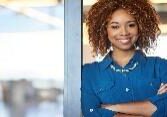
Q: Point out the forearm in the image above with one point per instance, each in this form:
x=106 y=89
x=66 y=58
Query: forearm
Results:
x=126 y=115
x=144 y=108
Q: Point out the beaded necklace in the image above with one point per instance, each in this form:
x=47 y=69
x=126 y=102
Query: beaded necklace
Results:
x=123 y=70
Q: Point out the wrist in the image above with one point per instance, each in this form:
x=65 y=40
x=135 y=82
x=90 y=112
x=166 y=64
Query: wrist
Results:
x=115 y=107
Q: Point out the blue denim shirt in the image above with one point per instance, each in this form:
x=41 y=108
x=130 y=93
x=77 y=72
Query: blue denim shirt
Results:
x=106 y=82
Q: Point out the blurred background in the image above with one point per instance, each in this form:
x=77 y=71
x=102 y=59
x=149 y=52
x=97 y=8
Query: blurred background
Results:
x=31 y=58
x=160 y=6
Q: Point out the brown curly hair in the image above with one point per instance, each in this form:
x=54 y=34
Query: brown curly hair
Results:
x=144 y=13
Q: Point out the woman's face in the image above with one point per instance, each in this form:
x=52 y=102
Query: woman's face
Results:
x=122 y=30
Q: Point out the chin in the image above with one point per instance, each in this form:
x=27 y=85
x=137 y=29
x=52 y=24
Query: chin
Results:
x=127 y=48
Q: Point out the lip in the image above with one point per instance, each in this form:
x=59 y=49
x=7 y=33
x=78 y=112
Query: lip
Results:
x=124 y=41
x=126 y=38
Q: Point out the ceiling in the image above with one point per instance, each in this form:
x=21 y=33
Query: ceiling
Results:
x=30 y=2
x=90 y=2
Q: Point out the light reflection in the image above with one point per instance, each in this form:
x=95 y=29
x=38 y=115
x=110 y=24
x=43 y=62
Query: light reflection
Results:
x=32 y=58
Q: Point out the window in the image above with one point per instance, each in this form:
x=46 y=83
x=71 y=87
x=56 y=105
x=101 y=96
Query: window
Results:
x=32 y=58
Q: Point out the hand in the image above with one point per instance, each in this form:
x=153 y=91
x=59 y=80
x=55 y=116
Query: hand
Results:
x=112 y=107
x=132 y=109
x=162 y=89
x=109 y=107
x=106 y=106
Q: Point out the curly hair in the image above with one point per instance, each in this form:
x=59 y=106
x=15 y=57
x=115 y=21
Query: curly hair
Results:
x=144 y=13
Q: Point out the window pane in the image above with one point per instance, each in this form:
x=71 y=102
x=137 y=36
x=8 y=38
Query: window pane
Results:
x=32 y=58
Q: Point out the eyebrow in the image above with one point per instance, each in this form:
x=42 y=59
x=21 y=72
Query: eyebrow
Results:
x=133 y=21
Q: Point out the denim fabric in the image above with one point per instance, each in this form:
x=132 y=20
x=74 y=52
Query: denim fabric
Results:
x=106 y=82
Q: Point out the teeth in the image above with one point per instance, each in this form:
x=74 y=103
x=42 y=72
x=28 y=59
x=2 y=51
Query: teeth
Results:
x=124 y=40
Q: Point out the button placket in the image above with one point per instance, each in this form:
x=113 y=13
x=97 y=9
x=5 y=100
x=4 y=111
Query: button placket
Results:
x=127 y=89
x=91 y=110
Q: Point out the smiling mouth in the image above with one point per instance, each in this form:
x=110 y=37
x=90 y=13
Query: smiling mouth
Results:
x=124 y=41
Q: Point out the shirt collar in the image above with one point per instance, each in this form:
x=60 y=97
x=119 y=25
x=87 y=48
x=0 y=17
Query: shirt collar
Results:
x=139 y=56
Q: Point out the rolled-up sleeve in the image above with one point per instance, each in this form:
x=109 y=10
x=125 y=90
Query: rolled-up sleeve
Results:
x=90 y=103
x=160 y=101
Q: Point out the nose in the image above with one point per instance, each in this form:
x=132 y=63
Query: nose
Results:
x=124 y=31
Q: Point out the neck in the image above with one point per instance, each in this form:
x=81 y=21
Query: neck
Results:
x=122 y=57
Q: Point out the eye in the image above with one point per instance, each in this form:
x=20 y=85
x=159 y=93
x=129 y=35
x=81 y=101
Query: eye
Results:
x=114 y=27
x=132 y=25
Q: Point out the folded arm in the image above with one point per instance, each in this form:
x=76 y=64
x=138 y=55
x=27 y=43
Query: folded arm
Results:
x=91 y=106
x=126 y=115
x=142 y=108
x=90 y=103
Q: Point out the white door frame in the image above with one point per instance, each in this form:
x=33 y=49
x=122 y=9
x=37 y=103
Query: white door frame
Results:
x=72 y=76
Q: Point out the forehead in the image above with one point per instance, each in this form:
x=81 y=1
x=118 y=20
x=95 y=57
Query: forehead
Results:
x=121 y=15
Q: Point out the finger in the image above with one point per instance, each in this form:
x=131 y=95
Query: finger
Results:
x=160 y=88
x=163 y=91
x=163 y=86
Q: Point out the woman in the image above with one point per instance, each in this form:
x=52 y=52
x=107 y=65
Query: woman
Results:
x=126 y=83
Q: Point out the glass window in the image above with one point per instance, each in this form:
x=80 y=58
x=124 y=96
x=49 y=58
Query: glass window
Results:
x=32 y=58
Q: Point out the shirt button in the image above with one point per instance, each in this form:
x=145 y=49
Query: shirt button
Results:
x=151 y=84
x=91 y=110
x=127 y=89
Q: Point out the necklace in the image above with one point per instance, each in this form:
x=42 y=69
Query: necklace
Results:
x=123 y=70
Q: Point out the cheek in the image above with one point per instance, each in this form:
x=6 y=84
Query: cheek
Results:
x=111 y=34
x=135 y=34
x=135 y=31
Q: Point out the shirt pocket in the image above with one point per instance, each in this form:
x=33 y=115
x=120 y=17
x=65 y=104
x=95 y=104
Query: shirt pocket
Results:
x=104 y=87
x=155 y=83
x=151 y=86
x=108 y=93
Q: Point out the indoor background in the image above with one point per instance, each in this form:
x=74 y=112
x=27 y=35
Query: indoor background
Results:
x=31 y=58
